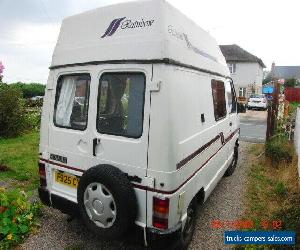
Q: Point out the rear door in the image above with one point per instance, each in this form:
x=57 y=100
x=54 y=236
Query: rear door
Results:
x=233 y=116
x=99 y=116
x=121 y=118
x=68 y=131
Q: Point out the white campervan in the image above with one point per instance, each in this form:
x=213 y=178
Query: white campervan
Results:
x=139 y=120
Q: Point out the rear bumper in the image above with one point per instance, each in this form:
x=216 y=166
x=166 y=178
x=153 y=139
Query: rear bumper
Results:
x=257 y=105
x=55 y=201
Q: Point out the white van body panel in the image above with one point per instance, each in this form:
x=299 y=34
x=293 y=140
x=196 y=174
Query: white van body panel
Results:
x=164 y=33
x=183 y=150
x=175 y=118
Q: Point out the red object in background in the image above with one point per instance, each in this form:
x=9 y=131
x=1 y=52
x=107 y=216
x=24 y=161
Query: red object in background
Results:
x=292 y=94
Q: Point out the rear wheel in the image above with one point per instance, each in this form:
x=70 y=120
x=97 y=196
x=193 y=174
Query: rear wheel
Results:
x=233 y=164
x=189 y=227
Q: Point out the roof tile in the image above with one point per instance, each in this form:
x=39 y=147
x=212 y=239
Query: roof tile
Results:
x=234 y=52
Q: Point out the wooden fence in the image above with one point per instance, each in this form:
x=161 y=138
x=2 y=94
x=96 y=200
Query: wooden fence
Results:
x=292 y=94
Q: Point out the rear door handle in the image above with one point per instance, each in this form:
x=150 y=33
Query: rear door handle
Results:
x=95 y=143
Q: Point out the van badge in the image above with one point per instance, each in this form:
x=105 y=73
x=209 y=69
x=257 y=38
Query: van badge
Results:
x=126 y=24
x=60 y=158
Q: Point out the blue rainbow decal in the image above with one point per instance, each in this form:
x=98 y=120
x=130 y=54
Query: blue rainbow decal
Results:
x=114 y=25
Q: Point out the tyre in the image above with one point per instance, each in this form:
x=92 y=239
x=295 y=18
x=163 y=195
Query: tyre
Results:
x=107 y=201
x=233 y=164
x=187 y=233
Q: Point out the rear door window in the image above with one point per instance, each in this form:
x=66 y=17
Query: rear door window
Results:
x=71 y=102
x=218 y=93
x=121 y=104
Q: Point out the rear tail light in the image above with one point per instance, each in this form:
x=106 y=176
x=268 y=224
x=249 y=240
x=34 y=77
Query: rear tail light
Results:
x=160 y=213
x=42 y=173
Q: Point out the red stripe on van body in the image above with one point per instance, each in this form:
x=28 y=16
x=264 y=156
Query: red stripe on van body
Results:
x=175 y=190
x=197 y=152
x=158 y=190
x=62 y=165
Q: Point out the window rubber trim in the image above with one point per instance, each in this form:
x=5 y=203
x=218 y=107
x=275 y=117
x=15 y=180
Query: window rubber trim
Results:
x=98 y=100
x=57 y=95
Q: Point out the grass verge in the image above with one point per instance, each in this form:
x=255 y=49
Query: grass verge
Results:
x=20 y=158
x=273 y=194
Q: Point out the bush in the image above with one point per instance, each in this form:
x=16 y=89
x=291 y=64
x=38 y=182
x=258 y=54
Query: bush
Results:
x=12 y=111
x=279 y=149
x=33 y=103
x=33 y=120
x=17 y=217
x=291 y=82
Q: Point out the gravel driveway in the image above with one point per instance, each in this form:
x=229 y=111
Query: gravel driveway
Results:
x=224 y=204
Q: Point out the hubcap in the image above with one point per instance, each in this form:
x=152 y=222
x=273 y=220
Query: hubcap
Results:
x=100 y=205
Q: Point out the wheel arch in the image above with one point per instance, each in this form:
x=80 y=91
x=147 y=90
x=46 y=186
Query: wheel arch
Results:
x=200 y=196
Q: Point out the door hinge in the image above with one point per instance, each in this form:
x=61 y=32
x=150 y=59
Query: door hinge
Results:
x=155 y=86
x=149 y=182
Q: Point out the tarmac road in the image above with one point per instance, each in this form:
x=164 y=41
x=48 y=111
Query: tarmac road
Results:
x=253 y=126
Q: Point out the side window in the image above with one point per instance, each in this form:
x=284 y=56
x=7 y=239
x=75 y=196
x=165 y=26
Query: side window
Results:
x=71 y=102
x=121 y=104
x=232 y=67
x=230 y=92
x=218 y=92
x=242 y=92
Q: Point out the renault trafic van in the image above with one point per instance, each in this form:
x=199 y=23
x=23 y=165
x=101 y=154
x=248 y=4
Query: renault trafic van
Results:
x=139 y=120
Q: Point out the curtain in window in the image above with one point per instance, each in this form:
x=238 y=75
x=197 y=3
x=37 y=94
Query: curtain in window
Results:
x=66 y=100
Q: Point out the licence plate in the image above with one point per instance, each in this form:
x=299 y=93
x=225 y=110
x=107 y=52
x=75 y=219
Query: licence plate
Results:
x=66 y=179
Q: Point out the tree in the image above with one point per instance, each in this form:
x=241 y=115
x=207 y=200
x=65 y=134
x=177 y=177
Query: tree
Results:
x=291 y=82
x=267 y=79
x=30 y=89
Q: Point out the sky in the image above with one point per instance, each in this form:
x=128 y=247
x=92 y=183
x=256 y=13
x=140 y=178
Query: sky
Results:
x=268 y=29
